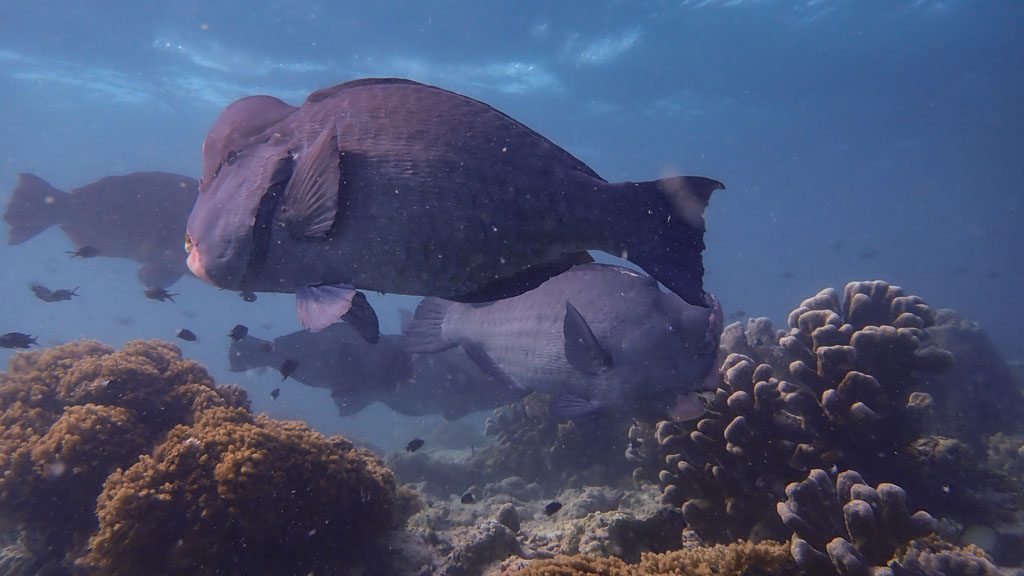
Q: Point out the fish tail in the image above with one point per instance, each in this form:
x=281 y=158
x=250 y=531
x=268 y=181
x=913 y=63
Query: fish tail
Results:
x=666 y=237
x=35 y=205
x=248 y=353
x=424 y=333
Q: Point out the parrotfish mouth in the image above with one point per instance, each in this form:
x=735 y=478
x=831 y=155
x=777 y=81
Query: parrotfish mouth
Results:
x=195 y=265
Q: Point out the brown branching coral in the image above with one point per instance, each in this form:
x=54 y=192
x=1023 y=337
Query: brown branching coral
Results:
x=238 y=494
x=846 y=385
x=736 y=559
x=71 y=415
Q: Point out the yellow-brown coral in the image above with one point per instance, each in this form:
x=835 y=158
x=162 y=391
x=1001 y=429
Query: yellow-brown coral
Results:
x=238 y=494
x=739 y=558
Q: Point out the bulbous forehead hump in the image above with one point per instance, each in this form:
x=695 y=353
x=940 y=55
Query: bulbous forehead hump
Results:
x=247 y=117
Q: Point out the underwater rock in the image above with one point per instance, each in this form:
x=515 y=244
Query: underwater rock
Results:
x=508 y=516
x=486 y=543
x=932 y=556
x=978 y=396
x=1006 y=453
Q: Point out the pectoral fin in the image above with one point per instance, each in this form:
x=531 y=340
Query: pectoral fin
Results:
x=567 y=406
x=323 y=305
x=487 y=365
x=311 y=200
x=582 y=350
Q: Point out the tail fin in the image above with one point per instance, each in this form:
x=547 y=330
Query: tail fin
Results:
x=424 y=332
x=34 y=207
x=248 y=353
x=668 y=241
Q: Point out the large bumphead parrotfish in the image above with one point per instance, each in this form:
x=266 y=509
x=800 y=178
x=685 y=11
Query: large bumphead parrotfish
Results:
x=395 y=186
x=139 y=216
x=359 y=373
x=598 y=337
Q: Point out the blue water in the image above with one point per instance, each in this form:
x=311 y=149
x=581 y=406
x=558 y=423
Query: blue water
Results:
x=858 y=139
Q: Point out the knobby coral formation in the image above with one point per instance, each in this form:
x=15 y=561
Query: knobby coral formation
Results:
x=847 y=527
x=847 y=386
x=116 y=461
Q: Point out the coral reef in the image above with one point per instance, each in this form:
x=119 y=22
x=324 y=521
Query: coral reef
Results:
x=844 y=526
x=132 y=461
x=735 y=559
x=847 y=385
x=71 y=415
x=533 y=444
x=233 y=493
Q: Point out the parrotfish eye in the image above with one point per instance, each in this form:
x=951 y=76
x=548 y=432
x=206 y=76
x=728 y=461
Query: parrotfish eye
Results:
x=231 y=157
x=188 y=244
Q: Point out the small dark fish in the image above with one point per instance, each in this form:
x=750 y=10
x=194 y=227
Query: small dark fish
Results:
x=788 y=275
x=415 y=444
x=186 y=334
x=737 y=315
x=63 y=294
x=84 y=252
x=275 y=393
x=17 y=340
x=248 y=295
x=552 y=507
x=468 y=498
x=41 y=292
x=188 y=313
x=160 y=294
x=288 y=368
x=47 y=295
x=238 y=332
x=868 y=254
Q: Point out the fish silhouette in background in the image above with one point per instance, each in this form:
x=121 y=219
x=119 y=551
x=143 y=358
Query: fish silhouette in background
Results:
x=359 y=373
x=395 y=186
x=139 y=216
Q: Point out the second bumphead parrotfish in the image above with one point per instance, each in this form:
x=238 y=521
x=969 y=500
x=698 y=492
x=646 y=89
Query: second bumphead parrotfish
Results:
x=391 y=185
x=600 y=338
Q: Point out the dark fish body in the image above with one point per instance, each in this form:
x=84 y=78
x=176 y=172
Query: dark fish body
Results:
x=238 y=332
x=359 y=373
x=395 y=186
x=468 y=498
x=138 y=216
x=186 y=334
x=247 y=295
x=158 y=294
x=84 y=252
x=414 y=444
x=47 y=295
x=552 y=507
x=288 y=367
x=275 y=393
x=599 y=337
x=16 y=340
